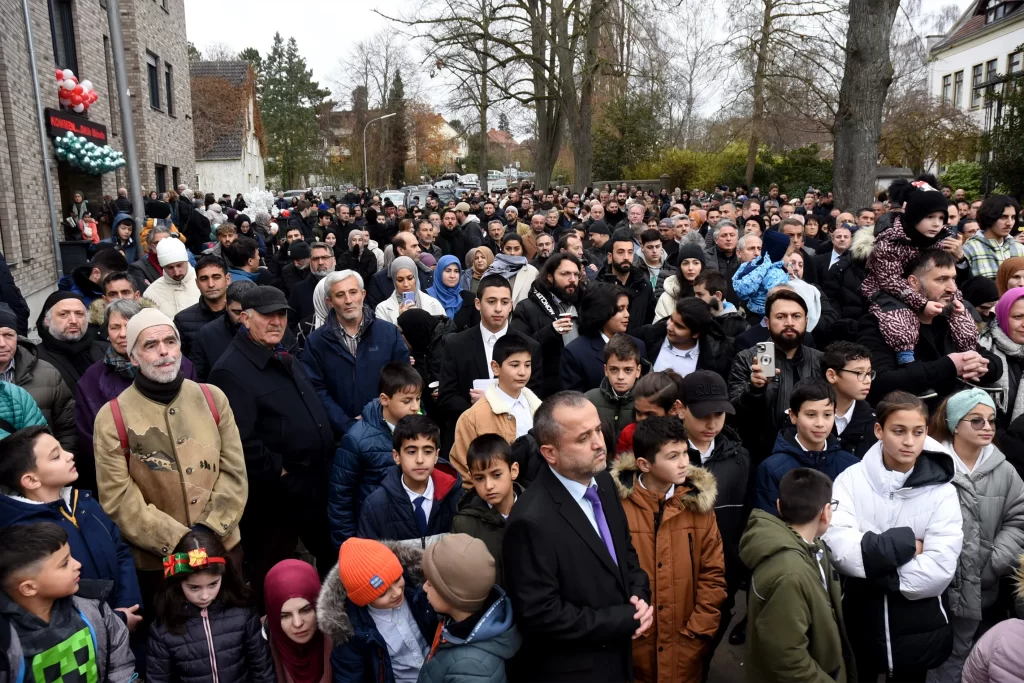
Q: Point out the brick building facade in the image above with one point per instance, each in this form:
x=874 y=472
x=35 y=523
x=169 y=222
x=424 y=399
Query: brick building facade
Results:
x=74 y=34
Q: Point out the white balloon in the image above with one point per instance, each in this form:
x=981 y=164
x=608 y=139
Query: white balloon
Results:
x=65 y=102
x=68 y=84
x=79 y=108
x=86 y=85
x=68 y=74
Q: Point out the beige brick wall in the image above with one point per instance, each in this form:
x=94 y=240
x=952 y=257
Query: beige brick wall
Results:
x=25 y=234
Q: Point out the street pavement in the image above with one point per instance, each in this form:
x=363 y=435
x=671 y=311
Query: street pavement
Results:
x=727 y=664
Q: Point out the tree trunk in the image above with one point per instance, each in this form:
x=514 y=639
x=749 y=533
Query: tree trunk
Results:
x=481 y=163
x=866 y=79
x=578 y=100
x=759 y=71
x=546 y=105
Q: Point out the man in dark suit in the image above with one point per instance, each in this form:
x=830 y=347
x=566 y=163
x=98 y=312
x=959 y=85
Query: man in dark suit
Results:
x=578 y=592
x=467 y=354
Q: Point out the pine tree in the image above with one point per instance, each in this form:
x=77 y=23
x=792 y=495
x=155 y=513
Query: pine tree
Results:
x=399 y=138
x=290 y=99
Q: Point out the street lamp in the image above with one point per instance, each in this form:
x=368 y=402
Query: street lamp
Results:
x=366 y=176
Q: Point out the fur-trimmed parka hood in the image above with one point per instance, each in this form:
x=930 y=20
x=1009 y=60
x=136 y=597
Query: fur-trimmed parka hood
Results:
x=331 y=613
x=697 y=495
x=862 y=245
x=97 y=309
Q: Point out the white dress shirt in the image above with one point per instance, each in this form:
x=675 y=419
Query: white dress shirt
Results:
x=668 y=494
x=843 y=421
x=519 y=409
x=671 y=358
x=704 y=455
x=428 y=495
x=576 y=490
x=490 y=339
x=834 y=258
x=406 y=645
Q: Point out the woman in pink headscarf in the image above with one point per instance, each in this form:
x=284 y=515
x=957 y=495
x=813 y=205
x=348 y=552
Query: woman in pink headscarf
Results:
x=301 y=651
x=1004 y=337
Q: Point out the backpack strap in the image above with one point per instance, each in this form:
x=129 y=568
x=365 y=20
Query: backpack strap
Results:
x=122 y=432
x=209 y=401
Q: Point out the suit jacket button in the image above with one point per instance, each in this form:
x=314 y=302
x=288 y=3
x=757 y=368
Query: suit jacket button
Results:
x=181 y=440
x=172 y=411
x=188 y=470
x=194 y=501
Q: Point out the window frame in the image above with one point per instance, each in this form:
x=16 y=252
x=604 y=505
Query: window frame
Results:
x=169 y=87
x=160 y=173
x=947 y=89
x=153 y=78
x=977 y=73
x=958 y=89
x=62 y=33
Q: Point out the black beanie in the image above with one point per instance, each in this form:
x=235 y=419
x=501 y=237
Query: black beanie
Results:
x=921 y=203
x=7 y=317
x=51 y=301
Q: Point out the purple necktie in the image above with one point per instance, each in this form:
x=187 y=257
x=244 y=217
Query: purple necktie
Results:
x=602 y=523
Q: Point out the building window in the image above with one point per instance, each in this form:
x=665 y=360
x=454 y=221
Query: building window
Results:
x=991 y=74
x=169 y=87
x=976 y=86
x=176 y=177
x=995 y=12
x=958 y=89
x=947 y=89
x=62 y=29
x=1013 y=63
x=154 y=79
x=161 y=179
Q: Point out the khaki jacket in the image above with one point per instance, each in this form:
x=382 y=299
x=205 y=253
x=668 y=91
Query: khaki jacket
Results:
x=684 y=559
x=184 y=470
x=489 y=415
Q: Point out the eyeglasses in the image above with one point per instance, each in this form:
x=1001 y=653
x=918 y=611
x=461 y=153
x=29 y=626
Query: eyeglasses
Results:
x=978 y=423
x=862 y=375
x=834 y=505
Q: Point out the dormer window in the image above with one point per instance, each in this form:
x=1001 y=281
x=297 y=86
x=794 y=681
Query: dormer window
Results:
x=998 y=9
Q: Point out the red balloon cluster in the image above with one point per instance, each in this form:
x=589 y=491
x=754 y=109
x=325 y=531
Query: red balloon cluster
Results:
x=74 y=95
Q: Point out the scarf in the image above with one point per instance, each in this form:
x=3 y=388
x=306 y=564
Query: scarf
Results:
x=405 y=263
x=1000 y=344
x=320 y=307
x=155 y=262
x=506 y=266
x=160 y=392
x=286 y=580
x=119 y=363
x=449 y=297
x=279 y=351
x=76 y=353
x=1006 y=302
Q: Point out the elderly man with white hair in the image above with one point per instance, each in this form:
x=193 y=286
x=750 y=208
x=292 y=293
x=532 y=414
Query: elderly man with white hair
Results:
x=176 y=289
x=168 y=454
x=344 y=356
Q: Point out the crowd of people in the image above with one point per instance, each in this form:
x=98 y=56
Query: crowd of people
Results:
x=531 y=435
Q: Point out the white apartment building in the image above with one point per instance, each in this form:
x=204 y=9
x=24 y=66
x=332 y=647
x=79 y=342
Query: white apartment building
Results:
x=982 y=46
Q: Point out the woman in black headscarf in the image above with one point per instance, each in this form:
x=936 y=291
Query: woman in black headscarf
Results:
x=424 y=335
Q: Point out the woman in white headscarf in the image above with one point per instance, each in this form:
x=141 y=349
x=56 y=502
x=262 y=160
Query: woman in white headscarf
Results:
x=403 y=273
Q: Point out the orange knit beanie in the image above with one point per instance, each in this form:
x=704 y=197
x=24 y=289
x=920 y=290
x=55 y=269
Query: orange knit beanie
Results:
x=367 y=569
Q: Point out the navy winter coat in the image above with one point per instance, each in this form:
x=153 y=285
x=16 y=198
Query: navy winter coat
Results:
x=582 y=367
x=388 y=513
x=346 y=384
x=360 y=464
x=788 y=455
x=240 y=652
x=94 y=539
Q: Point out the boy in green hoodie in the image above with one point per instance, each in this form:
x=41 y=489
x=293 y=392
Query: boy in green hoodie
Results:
x=614 y=398
x=795 y=632
x=484 y=510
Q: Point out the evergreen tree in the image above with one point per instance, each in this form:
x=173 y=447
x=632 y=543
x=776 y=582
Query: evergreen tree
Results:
x=252 y=55
x=503 y=123
x=290 y=100
x=398 y=149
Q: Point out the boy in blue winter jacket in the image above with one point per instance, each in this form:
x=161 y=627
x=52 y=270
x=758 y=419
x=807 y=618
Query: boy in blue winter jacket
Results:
x=37 y=475
x=808 y=442
x=417 y=500
x=365 y=454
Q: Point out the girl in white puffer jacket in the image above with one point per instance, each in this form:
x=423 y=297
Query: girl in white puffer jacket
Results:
x=896 y=535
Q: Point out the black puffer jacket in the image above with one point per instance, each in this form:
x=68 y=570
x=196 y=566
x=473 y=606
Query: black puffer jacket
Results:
x=239 y=651
x=190 y=320
x=533 y=317
x=641 y=295
x=843 y=280
x=730 y=463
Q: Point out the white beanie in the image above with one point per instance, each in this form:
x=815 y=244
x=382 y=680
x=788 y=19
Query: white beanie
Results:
x=170 y=250
x=146 y=318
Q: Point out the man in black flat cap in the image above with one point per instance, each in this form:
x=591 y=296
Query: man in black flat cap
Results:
x=285 y=434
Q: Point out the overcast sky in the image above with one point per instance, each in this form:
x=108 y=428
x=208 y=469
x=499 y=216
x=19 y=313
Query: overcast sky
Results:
x=330 y=27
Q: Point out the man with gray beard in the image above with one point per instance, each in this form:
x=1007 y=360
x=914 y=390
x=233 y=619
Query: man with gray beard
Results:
x=168 y=454
x=321 y=264
x=67 y=342
x=286 y=437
